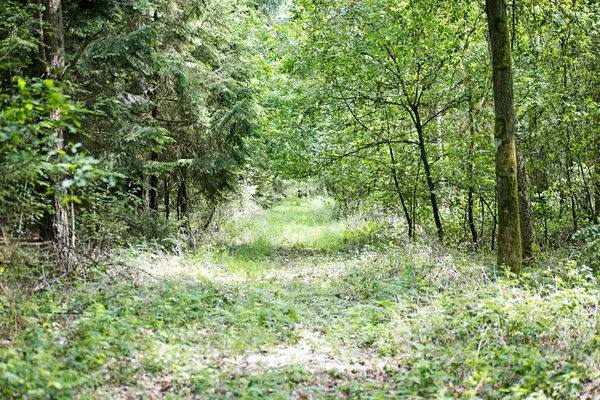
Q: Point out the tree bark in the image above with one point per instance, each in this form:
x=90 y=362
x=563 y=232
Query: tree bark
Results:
x=509 y=230
x=54 y=225
x=528 y=235
x=55 y=39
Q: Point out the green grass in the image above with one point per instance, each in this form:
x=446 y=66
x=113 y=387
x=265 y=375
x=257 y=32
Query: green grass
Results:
x=299 y=224
x=292 y=303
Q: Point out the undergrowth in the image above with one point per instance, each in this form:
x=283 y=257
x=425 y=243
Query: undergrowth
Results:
x=293 y=303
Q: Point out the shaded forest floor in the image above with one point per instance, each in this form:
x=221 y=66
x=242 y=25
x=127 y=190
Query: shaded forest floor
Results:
x=292 y=303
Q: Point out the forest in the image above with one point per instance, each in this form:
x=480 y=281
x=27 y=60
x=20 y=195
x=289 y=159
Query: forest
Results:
x=299 y=199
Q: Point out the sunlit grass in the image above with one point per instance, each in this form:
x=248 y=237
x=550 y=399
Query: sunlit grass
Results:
x=295 y=223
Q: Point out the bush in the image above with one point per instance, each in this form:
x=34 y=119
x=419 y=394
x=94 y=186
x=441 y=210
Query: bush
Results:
x=33 y=164
x=590 y=251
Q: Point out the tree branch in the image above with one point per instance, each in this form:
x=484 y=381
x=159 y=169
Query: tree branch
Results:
x=82 y=49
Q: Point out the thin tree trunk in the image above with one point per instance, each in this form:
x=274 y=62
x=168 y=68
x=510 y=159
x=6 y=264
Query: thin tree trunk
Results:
x=471 y=174
x=569 y=167
x=568 y=157
x=494 y=221
x=42 y=67
x=470 y=204
x=153 y=201
x=210 y=218
x=494 y=226
x=509 y=235
x=589 y=206
x=397 y=184
x=182 y=201
x=545 y=217
x=415 y=200
x=429 y=177
x=526 y=217
x=167 y=200
x=482 y=218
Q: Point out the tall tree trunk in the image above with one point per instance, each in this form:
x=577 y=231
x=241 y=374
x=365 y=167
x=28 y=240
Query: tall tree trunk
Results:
x=54 y=225
x=55 y=39
x=509 y=230
x=210 y=218
x=428 y=176
x=528 y=234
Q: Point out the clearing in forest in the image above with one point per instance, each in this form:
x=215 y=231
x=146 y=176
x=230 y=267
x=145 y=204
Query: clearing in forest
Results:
x=294 y=303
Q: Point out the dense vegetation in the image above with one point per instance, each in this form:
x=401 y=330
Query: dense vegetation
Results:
x=299 y=199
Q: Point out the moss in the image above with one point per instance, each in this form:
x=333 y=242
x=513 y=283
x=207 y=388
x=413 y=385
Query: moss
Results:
x=510 y=252
x=502 y=54
x=506 y=162
x=500 y=128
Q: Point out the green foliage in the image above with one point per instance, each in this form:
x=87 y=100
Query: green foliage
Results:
x=30 y=158
x=506 y=345
x=104 y=217
x=345 y=83
x=173 y=92
x=50 y=359
x=178 y=96
x=18 y=40
x=348 y=84
x=590 y=250
x=365 y=234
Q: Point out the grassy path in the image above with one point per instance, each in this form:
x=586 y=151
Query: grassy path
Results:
x=283 y=307
x=299 y=316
